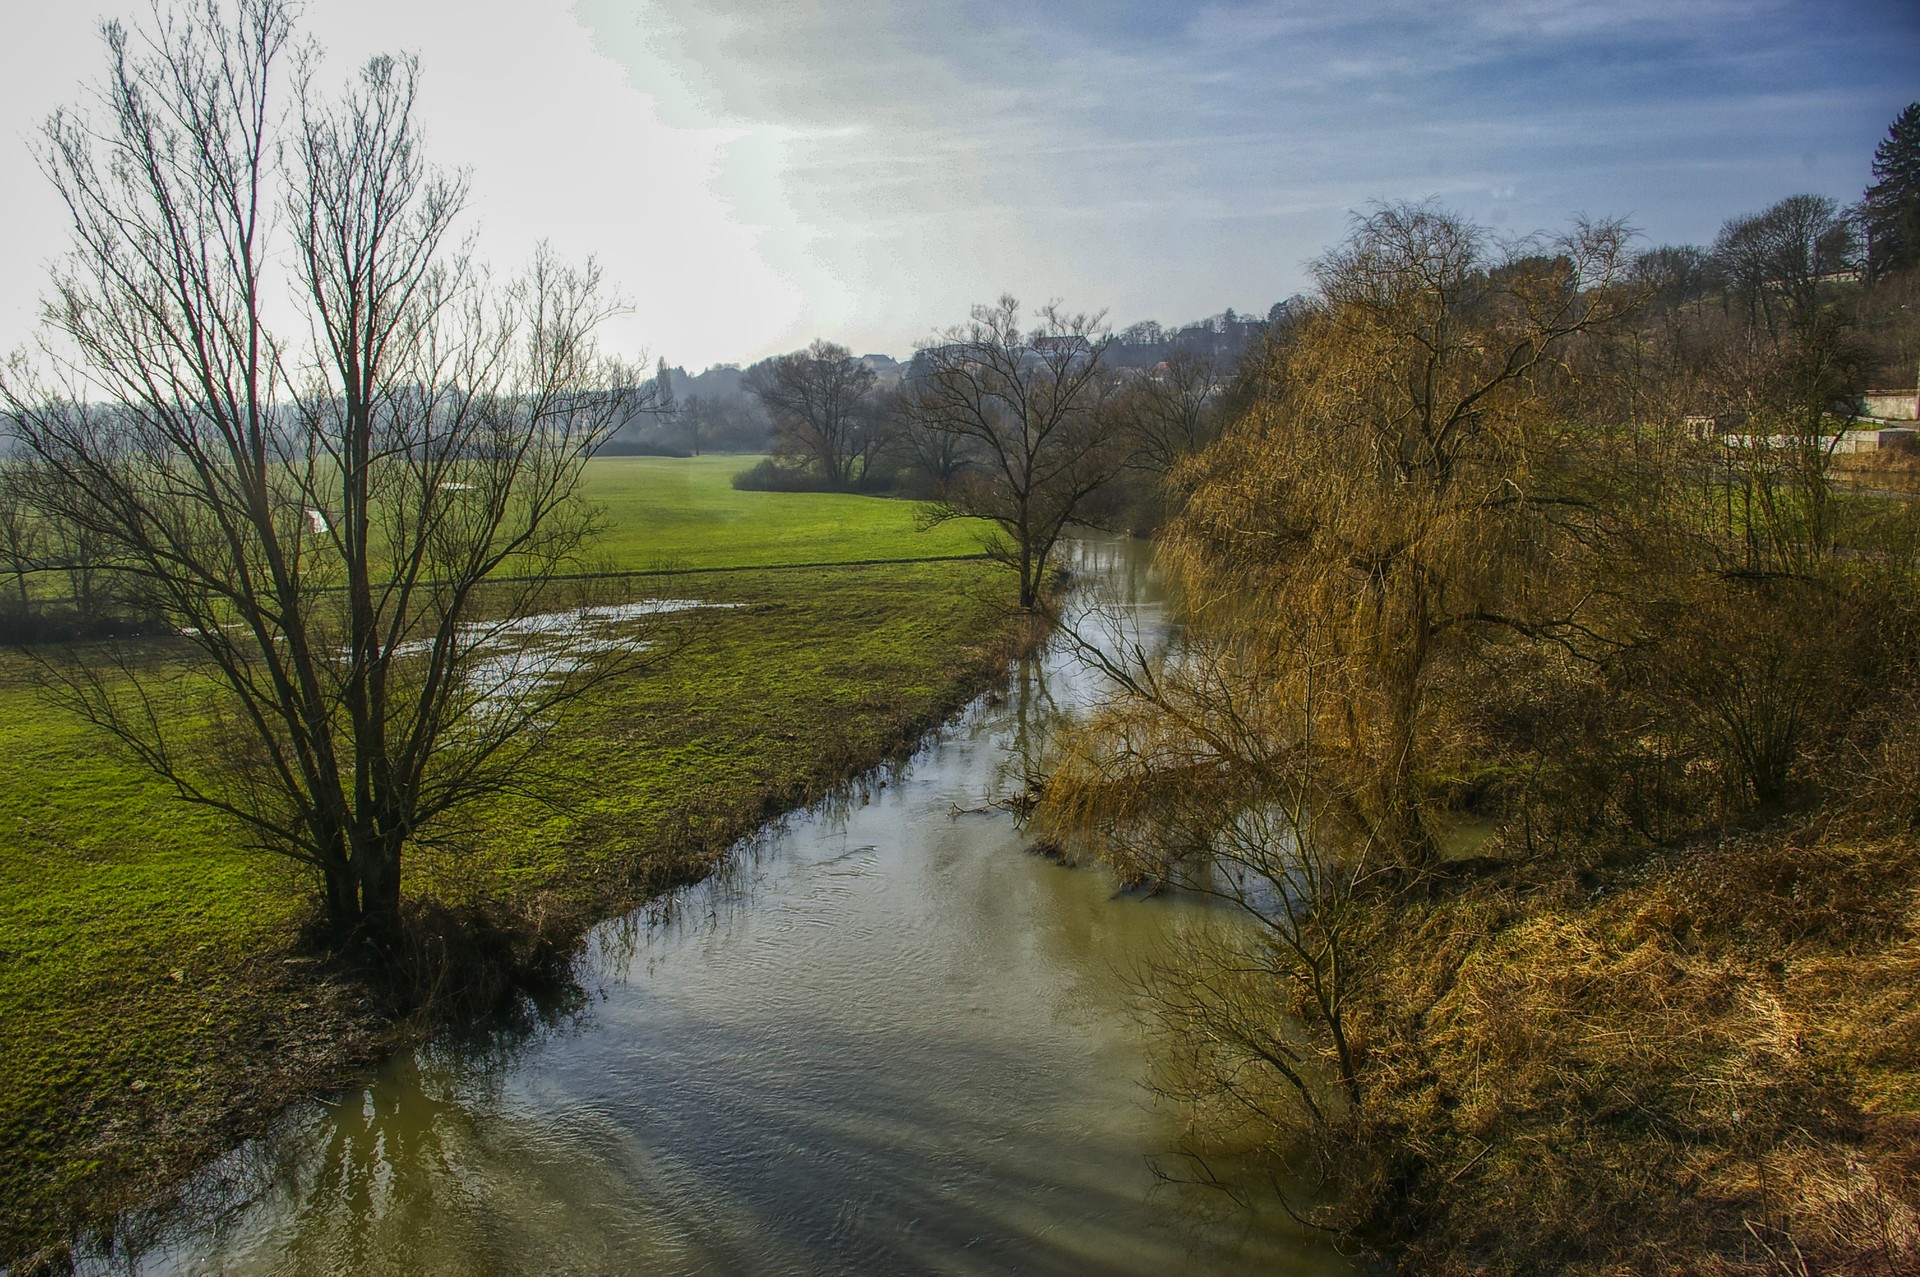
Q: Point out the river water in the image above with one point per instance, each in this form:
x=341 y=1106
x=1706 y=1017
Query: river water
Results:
x=888 y=1040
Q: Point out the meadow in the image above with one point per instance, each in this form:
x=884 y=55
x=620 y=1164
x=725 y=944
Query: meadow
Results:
x=155 y=1002
x=676 y=513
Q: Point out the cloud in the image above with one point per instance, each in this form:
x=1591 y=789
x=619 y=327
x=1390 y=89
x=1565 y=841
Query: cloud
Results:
x=759 y=174
x=561 y=145
x=1158 y=159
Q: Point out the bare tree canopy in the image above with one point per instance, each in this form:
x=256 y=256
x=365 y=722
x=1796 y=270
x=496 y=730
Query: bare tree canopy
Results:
x=1171 y=412
x=1775 y=261
x=1786 y=363
x=1027 y=404
x=818 y=400
x=322 y=498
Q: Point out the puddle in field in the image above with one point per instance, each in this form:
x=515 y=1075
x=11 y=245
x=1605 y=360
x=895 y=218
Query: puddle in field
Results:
x=512 y=659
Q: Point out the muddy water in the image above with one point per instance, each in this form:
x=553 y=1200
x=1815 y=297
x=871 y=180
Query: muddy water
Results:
x=890 y=1040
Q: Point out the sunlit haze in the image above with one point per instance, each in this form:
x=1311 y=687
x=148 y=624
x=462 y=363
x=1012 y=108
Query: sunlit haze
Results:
x=754 y=175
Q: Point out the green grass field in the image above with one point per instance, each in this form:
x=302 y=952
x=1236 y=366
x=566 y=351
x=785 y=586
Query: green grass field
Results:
x=684 y=513
x=151 y=1004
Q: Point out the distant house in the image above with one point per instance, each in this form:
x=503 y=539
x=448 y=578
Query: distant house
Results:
x=1708 y=426
x=1074 y=347
x=1760 y=443
x=1892 y=405
x=925 y=360
x=1873 y=439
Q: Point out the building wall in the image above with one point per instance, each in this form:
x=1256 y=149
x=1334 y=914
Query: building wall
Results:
x=1891 y=405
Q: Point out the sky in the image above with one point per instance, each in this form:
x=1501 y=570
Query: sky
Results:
x=758 y=173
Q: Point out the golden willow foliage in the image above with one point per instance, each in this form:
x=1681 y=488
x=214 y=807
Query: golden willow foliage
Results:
x=1341 y=550
x=1405 y=497
x=1461 y=541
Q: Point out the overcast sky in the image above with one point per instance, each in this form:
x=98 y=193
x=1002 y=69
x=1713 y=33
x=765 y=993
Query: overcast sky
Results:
x=757 y=173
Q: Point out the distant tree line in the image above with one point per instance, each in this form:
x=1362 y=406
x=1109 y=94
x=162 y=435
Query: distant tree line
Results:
x=1031 y=422
x=840 y=421
x=1036 y=427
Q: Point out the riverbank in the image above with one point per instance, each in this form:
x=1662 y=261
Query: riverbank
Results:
x=885 y=1038
x=1603 y=1058
x=155 y=1002
x=1577 y=1051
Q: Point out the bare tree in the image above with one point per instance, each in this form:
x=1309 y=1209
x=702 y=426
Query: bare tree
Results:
x=1203 y=769
x=344 y=524
x=1793 y=390
x=817 y=398
x=692 y=417
x=662 y=388
x=1775 y=261
x=1028 y=404
x=22 y=534
x=1171 y=412
x=935 y=458
x=1788 y=364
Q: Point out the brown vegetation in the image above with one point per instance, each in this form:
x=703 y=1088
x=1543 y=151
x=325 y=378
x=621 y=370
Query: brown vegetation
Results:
x=1462 y=556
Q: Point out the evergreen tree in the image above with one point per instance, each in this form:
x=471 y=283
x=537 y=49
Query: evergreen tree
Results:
x=663 y=388
x=1892 y=205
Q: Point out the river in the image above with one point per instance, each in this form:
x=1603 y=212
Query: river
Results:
x=888 y=1039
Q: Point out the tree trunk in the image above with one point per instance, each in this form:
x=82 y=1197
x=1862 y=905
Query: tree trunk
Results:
x=1402 y=829
x=379 y=873
x=343 y=903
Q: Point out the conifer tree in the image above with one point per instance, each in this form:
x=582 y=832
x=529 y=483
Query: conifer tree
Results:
x=1892 y=204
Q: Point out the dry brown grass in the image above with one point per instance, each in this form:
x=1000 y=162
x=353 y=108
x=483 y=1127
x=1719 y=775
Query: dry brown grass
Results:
x=1706 y=1063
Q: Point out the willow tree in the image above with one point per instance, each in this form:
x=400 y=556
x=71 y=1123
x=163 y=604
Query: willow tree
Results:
x=1404 y=496
x=1405 y=493
x=312 y=437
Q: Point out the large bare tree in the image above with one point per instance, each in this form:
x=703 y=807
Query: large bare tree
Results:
x=1786 y=362
x=1776 y=262
x=1027 y=406
x=303 y=428
x=819 y=401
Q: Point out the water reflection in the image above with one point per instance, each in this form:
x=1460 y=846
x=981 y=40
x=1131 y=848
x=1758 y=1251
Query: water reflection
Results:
x=889 y=1039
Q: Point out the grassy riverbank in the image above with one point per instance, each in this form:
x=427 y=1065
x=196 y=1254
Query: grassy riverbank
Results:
x=154 y=1004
